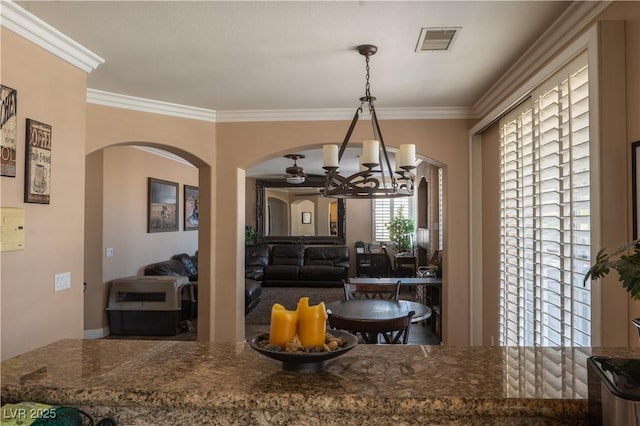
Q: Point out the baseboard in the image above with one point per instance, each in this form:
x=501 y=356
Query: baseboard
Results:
x=97 y=333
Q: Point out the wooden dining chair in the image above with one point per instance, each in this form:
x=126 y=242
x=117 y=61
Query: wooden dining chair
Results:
x=389 y=331
x=371 y=291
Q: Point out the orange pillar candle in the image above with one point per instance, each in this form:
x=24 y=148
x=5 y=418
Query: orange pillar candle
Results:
x=283 y=325
x=312 y=323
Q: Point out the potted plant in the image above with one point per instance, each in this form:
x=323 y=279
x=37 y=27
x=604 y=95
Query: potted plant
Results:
x=401 y=230
x=250 y=235
x=625 y=260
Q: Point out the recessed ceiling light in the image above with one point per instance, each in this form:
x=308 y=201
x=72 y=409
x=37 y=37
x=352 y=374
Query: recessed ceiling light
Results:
x=432 y=39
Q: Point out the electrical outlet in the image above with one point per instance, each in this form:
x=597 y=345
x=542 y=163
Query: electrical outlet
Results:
x=109 y=252
x=62 y=281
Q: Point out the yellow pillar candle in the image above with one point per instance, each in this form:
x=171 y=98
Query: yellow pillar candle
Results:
x=283 y=325
x=312 y=323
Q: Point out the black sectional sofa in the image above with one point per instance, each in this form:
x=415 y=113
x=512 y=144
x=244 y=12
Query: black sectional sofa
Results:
x=297 y=265
x=185 y=265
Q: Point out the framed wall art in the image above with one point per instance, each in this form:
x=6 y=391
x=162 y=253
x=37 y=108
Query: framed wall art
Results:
x=37 y=180
x=163 y=206
x=635 y=186
x=8 y=130
x=191 y=210
x=306 y=218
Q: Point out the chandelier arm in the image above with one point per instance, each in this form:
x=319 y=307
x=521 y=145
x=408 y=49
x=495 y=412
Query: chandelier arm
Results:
x=349 y=132
x=384 y=148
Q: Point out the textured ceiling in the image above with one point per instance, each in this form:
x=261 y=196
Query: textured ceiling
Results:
x=272 y=55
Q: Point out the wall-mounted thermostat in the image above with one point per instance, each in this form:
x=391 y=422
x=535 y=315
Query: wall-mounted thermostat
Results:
x=11 y=228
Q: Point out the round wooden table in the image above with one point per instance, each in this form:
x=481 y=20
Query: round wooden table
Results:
x=376 y=309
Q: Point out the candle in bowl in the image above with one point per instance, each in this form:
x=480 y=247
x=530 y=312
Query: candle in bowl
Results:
x=312 y=323
x=283 y=325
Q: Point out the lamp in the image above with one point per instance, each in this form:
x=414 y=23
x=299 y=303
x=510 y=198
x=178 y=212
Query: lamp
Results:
x=372 y=181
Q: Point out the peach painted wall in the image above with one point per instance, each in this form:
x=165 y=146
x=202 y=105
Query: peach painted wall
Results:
x=444 y=141
x=490 y=236
x=124 y=173
x=54 y=92
x=629 y=12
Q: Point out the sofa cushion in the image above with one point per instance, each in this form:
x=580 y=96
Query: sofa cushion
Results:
x=188 y=265
x=170 y=267
x=254 y=272
x=252 y=292
x=256 y=255
x=322 y=273
x=281 y=273
x=327 y=256
x=287 y=255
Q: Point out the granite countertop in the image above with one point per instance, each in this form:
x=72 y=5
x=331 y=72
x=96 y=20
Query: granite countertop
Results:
x=167 y=381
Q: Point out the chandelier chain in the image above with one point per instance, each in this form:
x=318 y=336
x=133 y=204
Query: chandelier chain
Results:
x=367 y=86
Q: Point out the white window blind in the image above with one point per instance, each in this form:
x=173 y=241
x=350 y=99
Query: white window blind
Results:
x=545 y=215
x=384 y=209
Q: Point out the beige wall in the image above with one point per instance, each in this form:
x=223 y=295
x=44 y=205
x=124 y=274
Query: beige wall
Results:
x=123 y=174
x=53 y=92
x=490 y=236
x=629 y=12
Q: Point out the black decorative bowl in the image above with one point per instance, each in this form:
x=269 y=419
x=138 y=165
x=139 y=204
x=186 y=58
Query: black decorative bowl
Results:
x=305 y=361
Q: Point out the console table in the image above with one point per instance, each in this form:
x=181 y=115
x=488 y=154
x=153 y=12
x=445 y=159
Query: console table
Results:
x=407 y=261
x=371 y=264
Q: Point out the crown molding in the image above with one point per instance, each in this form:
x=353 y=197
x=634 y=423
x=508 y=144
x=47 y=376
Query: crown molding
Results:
x=165 y=108
x=341 y=114
x=32 y=28
x=573 y=20
x=149 y=105
x=164 y=154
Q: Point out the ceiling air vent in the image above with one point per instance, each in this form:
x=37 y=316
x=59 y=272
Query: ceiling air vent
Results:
x=436 y=39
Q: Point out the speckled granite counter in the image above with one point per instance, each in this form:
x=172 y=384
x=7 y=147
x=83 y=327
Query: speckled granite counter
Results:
x=162 y=382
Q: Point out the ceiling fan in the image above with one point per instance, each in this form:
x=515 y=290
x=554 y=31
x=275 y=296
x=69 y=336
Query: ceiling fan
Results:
x=295 y=173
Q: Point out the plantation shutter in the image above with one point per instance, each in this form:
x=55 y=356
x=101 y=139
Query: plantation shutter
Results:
x=384 y=209
x=545 y=218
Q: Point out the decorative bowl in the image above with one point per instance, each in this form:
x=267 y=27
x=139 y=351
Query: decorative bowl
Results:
x=305 y=361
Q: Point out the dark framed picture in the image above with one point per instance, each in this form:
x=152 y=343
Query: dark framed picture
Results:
x=8 y=130
x=37 y=180
x=163 y=206
x=635 y=185
x=306 y=218
x=191 y=210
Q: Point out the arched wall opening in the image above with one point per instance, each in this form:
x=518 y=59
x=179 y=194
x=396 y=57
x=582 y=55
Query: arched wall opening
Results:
x=441 y=143
x=117 y=241
x=192 y=140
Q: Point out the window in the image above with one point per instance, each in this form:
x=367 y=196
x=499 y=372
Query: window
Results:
x=545 y=218
x=384 y=209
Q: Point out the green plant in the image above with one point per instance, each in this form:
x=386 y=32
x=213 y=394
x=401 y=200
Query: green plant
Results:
x=401 y=230
x=250 y=234
x=625 y=260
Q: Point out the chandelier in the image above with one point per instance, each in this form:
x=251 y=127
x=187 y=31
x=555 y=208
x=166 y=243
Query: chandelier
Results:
x=373 y=180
